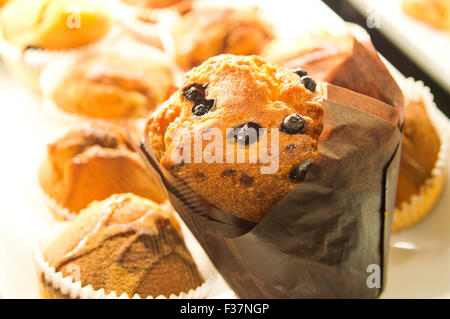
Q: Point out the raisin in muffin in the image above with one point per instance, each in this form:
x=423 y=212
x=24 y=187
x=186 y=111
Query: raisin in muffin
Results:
x=433 y=12
x=114 y=86
x=54 y=25
x=124 y=244
x=92 y=162
x=206 y=32
x=238 y=95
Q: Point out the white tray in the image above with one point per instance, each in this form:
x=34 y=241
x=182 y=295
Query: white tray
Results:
x=418 y=267
x=429 y=47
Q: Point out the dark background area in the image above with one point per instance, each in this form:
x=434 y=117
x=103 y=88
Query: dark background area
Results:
x=400 y=60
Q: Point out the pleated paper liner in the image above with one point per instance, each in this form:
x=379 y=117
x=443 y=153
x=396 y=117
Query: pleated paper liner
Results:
x=421 y=204
x=27 y=65
x=56 y=72
x=319 y=239
x=53 y=285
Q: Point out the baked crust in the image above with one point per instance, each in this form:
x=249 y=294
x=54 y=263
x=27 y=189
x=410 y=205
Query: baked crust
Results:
x=207 y=32
x=113 y=86
x=92 y=163
x=420 y=151
x=245 y=90
x=128 y=245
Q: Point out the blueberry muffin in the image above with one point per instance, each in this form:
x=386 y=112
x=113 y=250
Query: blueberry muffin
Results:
x=244 y=101
x=113 y=86
x=54 y=24
x=124 y=244
x=206 y=32
x=92 y=162
x=432 y=12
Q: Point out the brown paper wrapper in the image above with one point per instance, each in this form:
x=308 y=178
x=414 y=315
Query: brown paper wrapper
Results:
x=317 y=241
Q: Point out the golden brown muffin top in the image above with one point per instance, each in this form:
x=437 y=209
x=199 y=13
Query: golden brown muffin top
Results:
x=206 y=32
x=420 y=151
x=243 y=90
x=87 y=141
x=121 y=244
x=54 y=24
x=115 y=86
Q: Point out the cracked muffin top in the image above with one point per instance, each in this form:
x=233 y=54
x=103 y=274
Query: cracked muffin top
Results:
x=240 y=102
x=207 y=32
x=125 y=244
x=112 y=86
x=92 y=162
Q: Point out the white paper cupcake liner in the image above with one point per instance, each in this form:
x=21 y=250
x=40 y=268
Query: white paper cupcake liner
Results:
x=420 y=205
x=27 y=65
x=55 y=284
x=56 y=72
x=56 y=210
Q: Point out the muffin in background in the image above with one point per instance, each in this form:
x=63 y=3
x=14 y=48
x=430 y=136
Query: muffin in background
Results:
x=44 y=24
x=123 y=245
x=37 y=32
x=239 y=95
x=92 y=162
x=114 y=86
x=422 y=165
x=206 y=32
x=433 y=12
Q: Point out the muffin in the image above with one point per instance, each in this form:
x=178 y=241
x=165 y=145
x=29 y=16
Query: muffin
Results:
x=114 y=86
x=124 y=245
x=432 y=12
x=44 y=24
x=245 y=102
x=206 y=32
x=92 y=162
x=37 y=32
x=421 y=177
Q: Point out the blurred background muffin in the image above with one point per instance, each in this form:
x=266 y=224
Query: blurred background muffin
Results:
x=124 y=244
x=239 y=95
x=422 y=171
x=432 y=12
x=207 y=32
x=92 y=162
x=45 y=24
x=114 y=86
x=36 y=32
